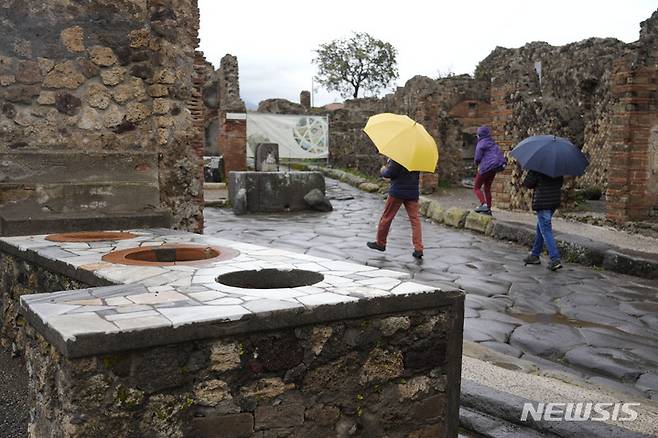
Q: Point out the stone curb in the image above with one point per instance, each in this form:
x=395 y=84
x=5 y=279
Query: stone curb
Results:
x=348 y=178
x=574 y=249
x=506 y=408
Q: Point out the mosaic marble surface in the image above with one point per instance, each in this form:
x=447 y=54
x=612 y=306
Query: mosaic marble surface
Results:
x=170 y=296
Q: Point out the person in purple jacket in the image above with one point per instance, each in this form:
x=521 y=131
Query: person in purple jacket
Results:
x=490 y=160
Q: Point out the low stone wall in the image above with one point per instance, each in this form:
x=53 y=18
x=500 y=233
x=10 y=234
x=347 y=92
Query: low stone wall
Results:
x=168 y=351
x=376 y=376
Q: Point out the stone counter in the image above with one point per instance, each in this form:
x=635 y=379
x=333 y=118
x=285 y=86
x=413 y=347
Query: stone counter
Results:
x=169 y=351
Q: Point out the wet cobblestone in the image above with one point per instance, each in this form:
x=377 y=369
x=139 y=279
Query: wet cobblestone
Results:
x=610 y=318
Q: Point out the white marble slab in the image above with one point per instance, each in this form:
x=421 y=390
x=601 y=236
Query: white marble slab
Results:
x=176 y=295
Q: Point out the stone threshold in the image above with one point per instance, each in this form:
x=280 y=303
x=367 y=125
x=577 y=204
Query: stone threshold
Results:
x=574 y=249
x=155 y=305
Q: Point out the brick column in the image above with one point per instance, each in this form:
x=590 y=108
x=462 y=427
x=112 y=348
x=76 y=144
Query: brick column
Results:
x=500 y=116
x=233 y=141
x=634 y=115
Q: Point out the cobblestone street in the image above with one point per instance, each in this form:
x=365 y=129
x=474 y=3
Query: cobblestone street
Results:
x=597 y=325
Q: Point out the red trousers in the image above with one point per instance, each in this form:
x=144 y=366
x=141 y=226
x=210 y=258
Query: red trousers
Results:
x=486 y=180
x=390 y=210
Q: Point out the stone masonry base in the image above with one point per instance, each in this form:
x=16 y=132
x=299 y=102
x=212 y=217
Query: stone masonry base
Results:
x=376 y=376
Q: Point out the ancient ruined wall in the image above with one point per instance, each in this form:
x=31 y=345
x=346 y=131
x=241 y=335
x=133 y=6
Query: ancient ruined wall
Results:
x=573 y=91
x=449 y=108
x=221 y=96
x=541 y=89
x=95 y=118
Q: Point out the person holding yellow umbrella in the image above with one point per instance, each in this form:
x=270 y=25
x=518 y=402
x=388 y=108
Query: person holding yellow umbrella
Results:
x=410 y=150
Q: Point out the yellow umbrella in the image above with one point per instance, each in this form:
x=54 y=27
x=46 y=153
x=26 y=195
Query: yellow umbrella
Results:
x=404 y=141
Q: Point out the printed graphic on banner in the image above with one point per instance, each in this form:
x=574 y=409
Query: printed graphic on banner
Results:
x=297 y=136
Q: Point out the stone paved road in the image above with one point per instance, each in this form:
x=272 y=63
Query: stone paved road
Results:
x=597 y=325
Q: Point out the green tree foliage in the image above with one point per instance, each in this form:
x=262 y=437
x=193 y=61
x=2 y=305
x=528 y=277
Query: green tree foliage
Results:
x=355 y=64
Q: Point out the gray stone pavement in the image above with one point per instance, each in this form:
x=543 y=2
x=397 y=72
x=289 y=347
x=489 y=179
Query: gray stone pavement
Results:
x=597 y=325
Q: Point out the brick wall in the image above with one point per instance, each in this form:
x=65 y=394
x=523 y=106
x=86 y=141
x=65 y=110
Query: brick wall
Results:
x=233 y=142
x=630 y=194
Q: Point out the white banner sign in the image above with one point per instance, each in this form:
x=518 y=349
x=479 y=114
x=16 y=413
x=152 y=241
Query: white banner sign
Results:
x=297 y=136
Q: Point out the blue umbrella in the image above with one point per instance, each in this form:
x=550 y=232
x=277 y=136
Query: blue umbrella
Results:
x=550 y=155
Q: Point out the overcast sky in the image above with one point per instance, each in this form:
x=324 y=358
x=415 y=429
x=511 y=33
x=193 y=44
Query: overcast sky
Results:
x=275 y=40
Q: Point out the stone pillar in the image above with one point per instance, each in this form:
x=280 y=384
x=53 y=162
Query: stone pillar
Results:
x=232 y=117
x=305 y=99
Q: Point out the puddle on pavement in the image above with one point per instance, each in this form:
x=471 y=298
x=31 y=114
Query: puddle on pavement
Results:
x=557 y=318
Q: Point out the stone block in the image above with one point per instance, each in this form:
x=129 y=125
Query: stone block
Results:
x=29 y=168
x=435 y=212
x=267 y=157
x=632 y=263
x=282 y=415
x=516 y=232
x=232 y=425
x=424 y=205
x=73 y=39
x=481 y=223
x=113 y=76
x=274 y=191
x=455 y=217
x=318 y=201
x=64 y=75
x=369 y=187
x=102 y=56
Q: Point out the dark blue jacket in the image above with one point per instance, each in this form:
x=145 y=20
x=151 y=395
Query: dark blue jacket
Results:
x=404 y=184
x=547 y=190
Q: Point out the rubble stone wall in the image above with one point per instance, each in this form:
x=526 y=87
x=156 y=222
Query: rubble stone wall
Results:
x=94 y=98
x=385 y=375
x=565 y=91
x=449 y=108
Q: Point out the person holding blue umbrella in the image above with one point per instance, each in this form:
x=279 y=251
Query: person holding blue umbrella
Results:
x=547 y=159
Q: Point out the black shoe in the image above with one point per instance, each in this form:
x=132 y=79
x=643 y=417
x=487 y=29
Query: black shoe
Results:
x=484 y=209
x=555 y=265
x=417 y=254
x=532 y=260
x=375 y=245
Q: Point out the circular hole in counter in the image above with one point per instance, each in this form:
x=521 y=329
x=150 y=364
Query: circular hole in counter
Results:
x=270 y=278
x=91 y=236
x=171 y=254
